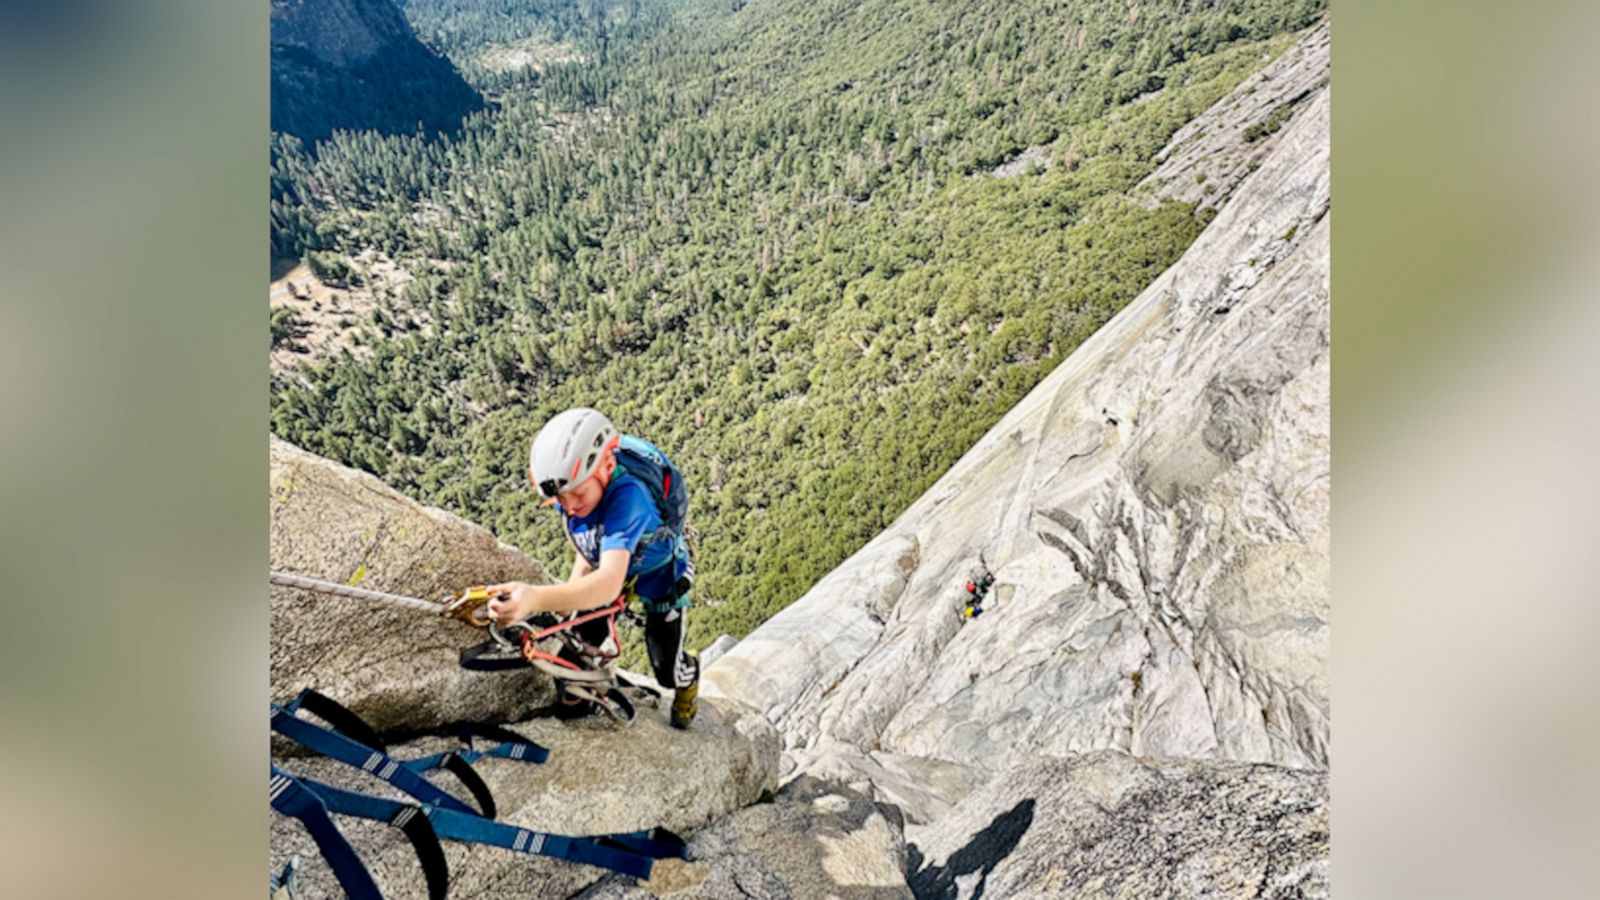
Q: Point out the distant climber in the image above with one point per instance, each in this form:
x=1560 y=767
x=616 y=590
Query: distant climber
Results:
x=977 y=588
x=623 y=504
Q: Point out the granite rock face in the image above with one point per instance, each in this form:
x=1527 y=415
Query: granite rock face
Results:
x=718 y=647
x=815 y=839
x=395 y=667
x=1155 y=513
x=1208 y=158
x=1110 y=825
x=922 y=789
x=355 y=64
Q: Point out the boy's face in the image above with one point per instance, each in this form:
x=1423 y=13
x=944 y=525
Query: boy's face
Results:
x=582 y=499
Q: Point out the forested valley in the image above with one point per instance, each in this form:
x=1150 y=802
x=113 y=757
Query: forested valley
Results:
x=813 y=250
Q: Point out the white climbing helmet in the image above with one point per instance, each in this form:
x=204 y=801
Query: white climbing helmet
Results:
x=569 y=448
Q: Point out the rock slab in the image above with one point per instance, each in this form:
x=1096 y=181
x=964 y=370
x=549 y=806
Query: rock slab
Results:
x=396 y=668
x=1209 y=157
x=1110 y=825
x=815 y=839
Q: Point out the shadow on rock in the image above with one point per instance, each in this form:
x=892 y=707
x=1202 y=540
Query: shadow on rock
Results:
x=981 y=854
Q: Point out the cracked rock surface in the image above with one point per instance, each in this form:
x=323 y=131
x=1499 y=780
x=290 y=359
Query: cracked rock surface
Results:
x=1208 y=158
x=1109 y=825
x=815 y=839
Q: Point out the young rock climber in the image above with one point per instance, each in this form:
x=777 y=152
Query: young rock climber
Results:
x=622 y=504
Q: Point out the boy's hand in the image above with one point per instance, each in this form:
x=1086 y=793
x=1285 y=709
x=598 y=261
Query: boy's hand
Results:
x=513 y=602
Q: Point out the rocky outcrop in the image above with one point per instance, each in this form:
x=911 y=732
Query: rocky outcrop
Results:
x=1155 y=513
x=718 y=647
x=924 y=790
x=599 y=779
x=815 y=839
x=397 y=668
x=356 y=64
x=1211 y=155
x=1110 y=825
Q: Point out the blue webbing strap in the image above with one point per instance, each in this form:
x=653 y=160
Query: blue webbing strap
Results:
x=405 y=816
x=292 y=798
x=468 y=828
x=337 y=746
x=345 y=722
x=458 y=827
x=511 y=746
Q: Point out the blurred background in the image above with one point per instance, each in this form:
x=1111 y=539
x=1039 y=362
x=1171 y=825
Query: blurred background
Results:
x=133 y=653
x=1466 y=424
x=133 y=639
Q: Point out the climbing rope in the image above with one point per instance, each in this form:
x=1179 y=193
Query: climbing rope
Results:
x=469 y=607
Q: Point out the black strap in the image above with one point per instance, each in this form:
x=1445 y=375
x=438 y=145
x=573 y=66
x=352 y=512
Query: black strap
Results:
x=620 y=700
x=477 y=659
x=419 y=829
x=490 y=731
x=474 y=783
x=339 y=716
x=308 y=801
x=338 y=746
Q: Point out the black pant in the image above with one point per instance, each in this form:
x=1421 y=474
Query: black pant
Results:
x=663 y=641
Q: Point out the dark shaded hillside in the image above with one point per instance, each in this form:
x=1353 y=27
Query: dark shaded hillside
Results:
x=354 y=64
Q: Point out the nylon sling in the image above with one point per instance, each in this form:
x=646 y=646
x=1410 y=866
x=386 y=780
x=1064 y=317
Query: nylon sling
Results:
x=631 y=854
x=294 y=797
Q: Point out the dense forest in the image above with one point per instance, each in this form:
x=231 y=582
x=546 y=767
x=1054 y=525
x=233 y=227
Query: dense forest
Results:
x=814 y=250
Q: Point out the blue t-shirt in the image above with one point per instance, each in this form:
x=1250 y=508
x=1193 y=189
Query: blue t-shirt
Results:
x=626 y=519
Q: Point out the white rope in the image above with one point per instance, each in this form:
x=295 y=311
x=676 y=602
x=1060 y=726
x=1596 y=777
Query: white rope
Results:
x=354 y=593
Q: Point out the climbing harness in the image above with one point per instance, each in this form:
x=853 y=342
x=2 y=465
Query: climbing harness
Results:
x=592 y=679
x=470 y=607
x=437 y=814
x=587 y=673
